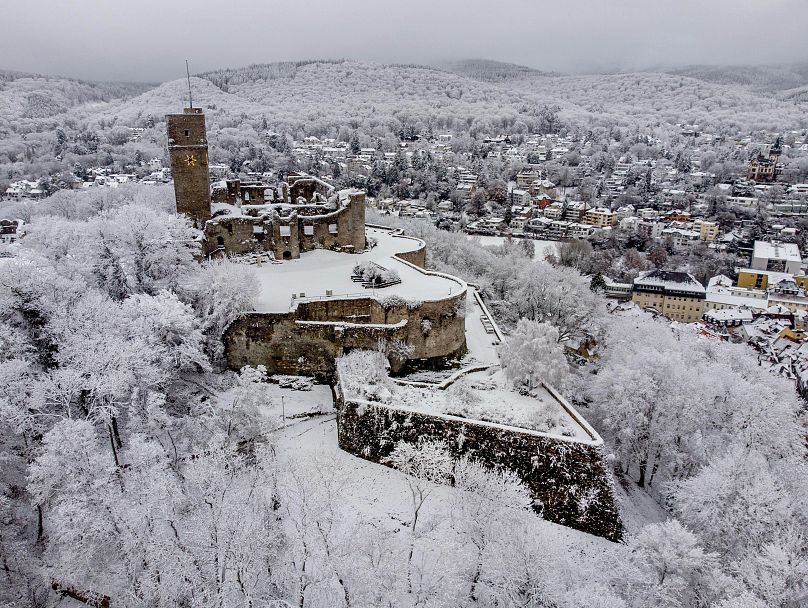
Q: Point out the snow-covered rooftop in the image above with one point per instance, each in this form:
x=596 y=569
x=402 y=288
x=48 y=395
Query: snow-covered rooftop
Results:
x=729 y=314
x=320 y=271
x=774 y=250
x=669 y=280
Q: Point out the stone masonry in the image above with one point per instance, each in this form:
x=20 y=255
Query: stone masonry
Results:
x=569 y=480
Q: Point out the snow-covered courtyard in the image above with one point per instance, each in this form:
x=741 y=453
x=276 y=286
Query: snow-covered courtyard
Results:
x=325 y=274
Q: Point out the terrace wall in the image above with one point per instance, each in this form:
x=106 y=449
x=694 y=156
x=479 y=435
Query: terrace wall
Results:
x=308 y=340
x=417 y=257
x=569 y=480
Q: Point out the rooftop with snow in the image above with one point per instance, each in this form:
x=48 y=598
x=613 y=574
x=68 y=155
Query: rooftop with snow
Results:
x=669 y=281
x=775 y=250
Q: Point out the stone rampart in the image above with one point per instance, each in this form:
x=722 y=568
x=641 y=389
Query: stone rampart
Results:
x=568 y=479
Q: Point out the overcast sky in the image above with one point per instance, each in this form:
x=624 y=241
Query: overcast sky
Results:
x=149 y=40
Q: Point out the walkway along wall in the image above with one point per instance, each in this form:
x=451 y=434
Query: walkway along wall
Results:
x=568 y=479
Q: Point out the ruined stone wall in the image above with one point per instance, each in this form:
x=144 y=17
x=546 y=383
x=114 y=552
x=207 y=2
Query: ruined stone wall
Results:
x=288 y=346
x=569 y=480
x=307 y=187
x=356 y=224
x=446 y=335
x=309 y=340
x=238 y=235
x=341 y=230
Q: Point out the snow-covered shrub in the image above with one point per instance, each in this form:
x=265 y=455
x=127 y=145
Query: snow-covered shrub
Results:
x=251 y=411
x=364 y=375
x=395 y=348
x=426 y=327
x=373 y=273
x=395 y=301
x=392 y=301
x=461 y=399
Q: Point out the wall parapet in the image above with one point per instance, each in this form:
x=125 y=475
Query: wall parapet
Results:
x=416 y=257
x=568 y=478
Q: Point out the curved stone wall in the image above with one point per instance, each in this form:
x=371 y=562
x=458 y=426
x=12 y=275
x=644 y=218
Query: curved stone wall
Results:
x=417 y=257
x=309 y=339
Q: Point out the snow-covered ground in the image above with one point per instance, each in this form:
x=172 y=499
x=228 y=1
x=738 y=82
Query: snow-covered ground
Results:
x=542 y=247
x=487 y=396
x=298 y=403
x=287 y=401
x=321 y=270
x=382 y=494
x=482 y=346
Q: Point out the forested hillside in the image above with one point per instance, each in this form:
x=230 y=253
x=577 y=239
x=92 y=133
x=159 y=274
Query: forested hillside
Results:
x=761 y=78
x=49 y=124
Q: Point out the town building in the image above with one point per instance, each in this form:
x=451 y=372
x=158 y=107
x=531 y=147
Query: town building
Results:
x=776 y=256
x=676 y=295
x=600 y=217
x=10 y=230
x=766 y=168
x=721 y=294
x=708 y=231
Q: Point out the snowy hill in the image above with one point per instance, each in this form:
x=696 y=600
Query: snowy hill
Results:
x=319 y=96
x=491 y=71
x=758 y=78
x=24 y=95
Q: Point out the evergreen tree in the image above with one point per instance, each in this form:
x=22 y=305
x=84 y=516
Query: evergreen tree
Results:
x=598 y=283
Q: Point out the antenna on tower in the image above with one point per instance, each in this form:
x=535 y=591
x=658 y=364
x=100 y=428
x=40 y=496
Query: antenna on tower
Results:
x=190 y=97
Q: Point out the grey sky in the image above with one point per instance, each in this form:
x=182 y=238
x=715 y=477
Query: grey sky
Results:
x=150 y=39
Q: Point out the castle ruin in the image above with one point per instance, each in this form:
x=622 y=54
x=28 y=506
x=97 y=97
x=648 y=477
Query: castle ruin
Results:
x=330 y=284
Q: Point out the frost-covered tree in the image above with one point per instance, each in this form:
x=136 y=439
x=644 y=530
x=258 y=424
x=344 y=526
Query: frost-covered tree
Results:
x=532 y=356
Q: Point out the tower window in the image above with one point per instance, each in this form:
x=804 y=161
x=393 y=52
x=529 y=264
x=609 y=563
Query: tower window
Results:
x=187 y=133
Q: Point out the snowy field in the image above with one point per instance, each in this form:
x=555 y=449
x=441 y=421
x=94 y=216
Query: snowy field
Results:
x=542 y=247
x=321 y=270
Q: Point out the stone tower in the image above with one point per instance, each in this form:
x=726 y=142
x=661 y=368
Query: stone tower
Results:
x=188 y=149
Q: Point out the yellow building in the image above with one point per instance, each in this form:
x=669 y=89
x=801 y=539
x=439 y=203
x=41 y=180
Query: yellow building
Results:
x=707 y=230
x=750 y=278
x=600 y=217
x=676 y=295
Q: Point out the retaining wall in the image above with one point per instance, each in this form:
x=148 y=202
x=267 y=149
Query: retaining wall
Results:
x=568 y=479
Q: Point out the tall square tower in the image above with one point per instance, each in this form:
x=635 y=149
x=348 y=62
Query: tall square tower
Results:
x=188 y=150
